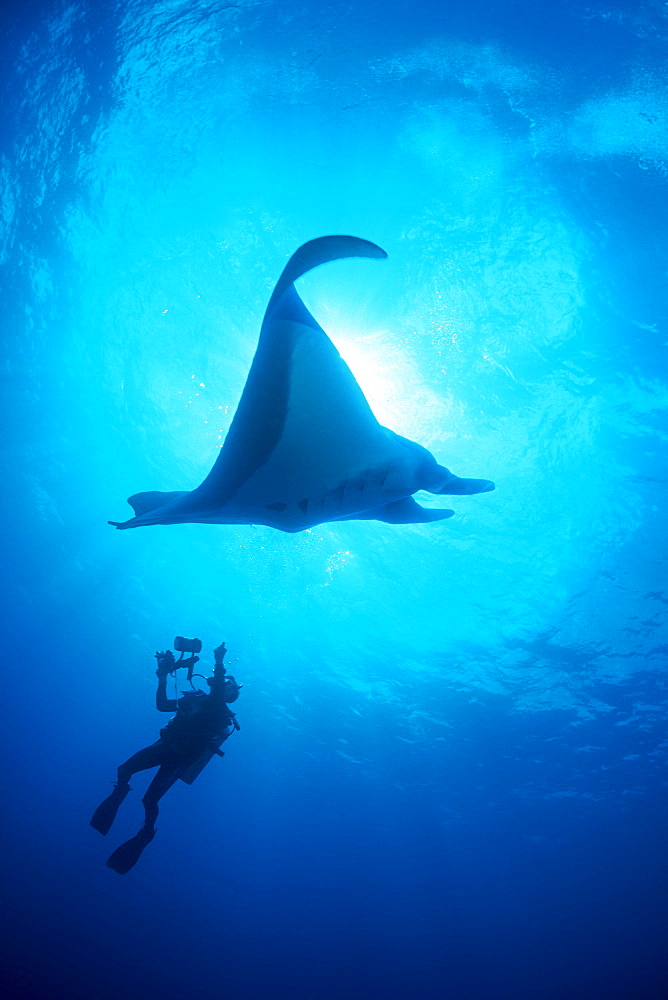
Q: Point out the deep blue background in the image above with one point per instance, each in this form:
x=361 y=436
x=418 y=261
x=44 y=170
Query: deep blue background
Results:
x=450 y=777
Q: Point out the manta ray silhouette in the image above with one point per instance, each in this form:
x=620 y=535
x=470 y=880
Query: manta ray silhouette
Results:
x=304 y=447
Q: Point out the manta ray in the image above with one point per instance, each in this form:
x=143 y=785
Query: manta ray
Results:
x=304 y=447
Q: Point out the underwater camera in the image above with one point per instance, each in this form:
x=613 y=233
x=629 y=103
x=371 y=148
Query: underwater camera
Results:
x=182 y=645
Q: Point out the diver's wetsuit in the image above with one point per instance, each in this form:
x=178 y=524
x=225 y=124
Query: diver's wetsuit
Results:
x=202 y=721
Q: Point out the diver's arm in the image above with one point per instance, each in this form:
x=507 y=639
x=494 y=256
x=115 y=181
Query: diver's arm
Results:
x=162 y=702
x=166 y=665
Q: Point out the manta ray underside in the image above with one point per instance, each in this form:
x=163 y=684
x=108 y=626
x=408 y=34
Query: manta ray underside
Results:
x=304 y=447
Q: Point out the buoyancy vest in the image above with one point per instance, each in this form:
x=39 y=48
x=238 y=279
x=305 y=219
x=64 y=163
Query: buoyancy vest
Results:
x=200 y=720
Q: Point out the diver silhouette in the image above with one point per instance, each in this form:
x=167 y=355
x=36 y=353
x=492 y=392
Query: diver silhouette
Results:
x=186 y=745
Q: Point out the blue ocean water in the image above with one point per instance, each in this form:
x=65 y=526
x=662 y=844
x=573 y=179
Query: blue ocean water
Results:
x=450 y=775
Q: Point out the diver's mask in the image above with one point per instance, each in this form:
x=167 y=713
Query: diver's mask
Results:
x=231 y=688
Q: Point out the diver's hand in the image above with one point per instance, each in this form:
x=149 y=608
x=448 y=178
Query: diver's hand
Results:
x=166 y=663
x=219 y=653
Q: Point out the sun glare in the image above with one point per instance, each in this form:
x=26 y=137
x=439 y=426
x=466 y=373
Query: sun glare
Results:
x=393 y=385
x=383 y=377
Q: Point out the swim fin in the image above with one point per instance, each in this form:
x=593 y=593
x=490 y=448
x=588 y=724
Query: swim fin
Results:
x=105 y=814
x=128 y=854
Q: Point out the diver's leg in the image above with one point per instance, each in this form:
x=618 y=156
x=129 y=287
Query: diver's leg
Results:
x=128 y=854
x=152 y=756
x=167 y=775
x=106 y=812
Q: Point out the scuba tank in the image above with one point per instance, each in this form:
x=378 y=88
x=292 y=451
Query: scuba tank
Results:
x=195 y=767
x=191 y=703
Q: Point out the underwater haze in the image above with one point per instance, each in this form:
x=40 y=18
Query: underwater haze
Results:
x=450 y=777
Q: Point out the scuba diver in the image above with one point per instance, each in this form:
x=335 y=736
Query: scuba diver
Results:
x=187 y=743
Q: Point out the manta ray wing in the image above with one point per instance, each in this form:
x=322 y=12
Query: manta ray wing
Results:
x=304 y=446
